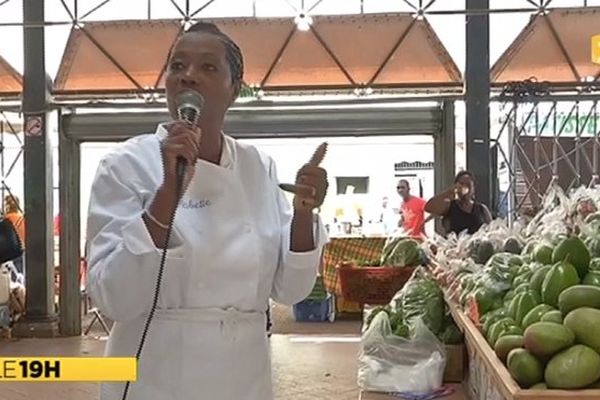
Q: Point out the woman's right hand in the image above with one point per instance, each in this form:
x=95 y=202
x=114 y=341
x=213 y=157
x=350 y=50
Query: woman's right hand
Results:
x=182 y=141
x=454 y=190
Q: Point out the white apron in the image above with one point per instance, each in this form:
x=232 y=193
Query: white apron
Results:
x=197 y=354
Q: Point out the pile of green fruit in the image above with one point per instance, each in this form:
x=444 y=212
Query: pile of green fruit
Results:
x=545 y=324
x=422 y=298
x=401 y=252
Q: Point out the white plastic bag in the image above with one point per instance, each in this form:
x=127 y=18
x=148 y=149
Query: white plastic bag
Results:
x=20 y=278
x=390 y=363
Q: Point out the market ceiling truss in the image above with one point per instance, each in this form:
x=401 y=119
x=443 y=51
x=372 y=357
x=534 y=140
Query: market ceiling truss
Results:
x=323 y=58
x=547 y=23
x=288 y=68
x=556 y=47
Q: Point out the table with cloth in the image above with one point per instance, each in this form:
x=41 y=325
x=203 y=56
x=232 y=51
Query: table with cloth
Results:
x=362 y=250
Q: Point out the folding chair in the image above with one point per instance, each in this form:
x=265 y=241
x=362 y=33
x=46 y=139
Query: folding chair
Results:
x=87 y=305
x=97 y=317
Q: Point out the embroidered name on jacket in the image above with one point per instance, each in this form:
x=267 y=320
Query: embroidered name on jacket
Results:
x=191 y=204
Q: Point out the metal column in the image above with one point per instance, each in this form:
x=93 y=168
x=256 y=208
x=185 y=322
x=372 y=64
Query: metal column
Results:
x=477 y=97
x=40 y=320
x=444 y=147
x=69 y=156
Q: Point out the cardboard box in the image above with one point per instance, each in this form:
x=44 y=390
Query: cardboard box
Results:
x=455 y=363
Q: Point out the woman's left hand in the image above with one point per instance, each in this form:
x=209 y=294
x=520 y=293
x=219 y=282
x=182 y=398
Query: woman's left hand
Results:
x=311 y=183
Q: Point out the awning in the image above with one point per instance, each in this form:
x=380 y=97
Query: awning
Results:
x=11 y=81
x=554 y=47
x=338 y=52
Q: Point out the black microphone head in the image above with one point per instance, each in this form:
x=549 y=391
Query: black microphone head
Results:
x=189 y=105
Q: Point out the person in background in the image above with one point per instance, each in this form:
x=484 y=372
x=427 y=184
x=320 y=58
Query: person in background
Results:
x=412 y=211
x=13 y=213
x=458 y=207
x=57 y=225
x=387 y=216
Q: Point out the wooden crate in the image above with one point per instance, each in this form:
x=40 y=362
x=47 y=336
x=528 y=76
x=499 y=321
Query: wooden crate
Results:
x=488 y=378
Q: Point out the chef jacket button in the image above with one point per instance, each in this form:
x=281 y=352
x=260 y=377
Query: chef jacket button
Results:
x=248 y=228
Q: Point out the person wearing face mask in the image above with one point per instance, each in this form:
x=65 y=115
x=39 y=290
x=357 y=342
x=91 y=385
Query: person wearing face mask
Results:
x=236 y=242
x=457 y=206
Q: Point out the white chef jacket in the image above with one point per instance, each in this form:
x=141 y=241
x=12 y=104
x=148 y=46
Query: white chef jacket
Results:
x=229 y=253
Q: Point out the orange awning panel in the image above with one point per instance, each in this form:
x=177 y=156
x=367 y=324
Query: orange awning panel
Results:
x=421 y=57
x=116 y=55
x=392 y=49
x=555 y=47
x=339 y=51
x=305 y=62
x=260 y=41
x=10 y=80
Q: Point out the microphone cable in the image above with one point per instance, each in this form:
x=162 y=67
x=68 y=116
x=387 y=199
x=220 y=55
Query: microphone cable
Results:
x=181 y=164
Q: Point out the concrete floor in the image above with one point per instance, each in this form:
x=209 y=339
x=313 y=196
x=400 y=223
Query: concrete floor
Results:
x=310 y=361
x=305 y=367
x=284 y=323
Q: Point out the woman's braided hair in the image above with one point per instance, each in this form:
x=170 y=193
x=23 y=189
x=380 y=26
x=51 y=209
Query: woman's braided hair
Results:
x=234 y=56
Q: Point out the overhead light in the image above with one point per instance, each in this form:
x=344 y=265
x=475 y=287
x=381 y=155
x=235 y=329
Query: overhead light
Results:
x=303 y=22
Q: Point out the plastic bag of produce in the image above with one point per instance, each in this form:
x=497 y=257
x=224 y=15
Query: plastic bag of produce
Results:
x=487 y=292
x=421 y=297
x=401 y=252
x=479 y=247
x=583 y=202
x=502 y=268
x=389 y=363
x=396 y=319
x=450 y=333
x=553 y=218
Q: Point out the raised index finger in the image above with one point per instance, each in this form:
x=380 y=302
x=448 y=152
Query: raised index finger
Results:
x=318 y=155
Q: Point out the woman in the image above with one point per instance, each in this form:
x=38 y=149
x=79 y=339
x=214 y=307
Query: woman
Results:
x=13 y=213
x=235 y=243
x=458 y=207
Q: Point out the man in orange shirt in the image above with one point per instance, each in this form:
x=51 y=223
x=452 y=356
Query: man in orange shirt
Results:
x=413 y=211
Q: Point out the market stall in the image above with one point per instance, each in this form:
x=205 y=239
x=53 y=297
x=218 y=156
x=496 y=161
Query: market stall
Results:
x=363 y=250
x=409 y=341
x=524 y=301
x=528 y=301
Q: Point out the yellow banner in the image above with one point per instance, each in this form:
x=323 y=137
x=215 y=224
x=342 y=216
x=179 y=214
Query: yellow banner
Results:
x=596 y=49
x=68 y=369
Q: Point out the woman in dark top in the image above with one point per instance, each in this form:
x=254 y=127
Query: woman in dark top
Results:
x=458 y=207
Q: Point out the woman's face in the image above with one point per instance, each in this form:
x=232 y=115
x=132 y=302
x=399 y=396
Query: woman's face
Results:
x=9 y=204
x=198 y=62
x=467 y=186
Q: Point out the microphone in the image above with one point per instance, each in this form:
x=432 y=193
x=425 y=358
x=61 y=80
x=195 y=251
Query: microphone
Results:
x=189 y=105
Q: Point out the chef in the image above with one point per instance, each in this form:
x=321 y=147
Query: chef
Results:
x=236 y=241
